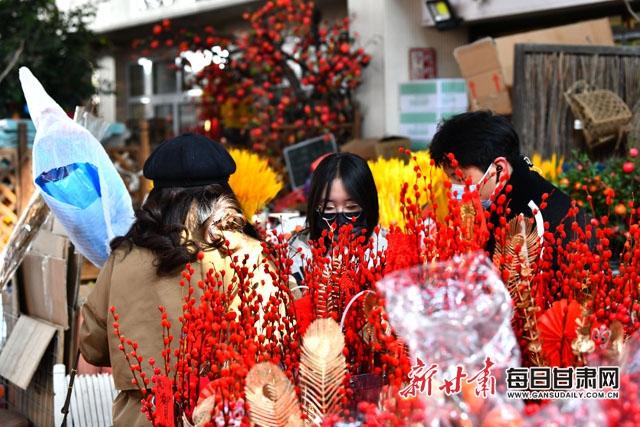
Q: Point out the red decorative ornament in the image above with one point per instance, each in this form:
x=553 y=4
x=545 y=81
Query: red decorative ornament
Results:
x=557 y=328
x=164 y=401
x=628 y=167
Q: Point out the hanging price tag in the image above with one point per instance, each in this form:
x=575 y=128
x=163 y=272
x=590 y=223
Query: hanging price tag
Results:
x=164 y=401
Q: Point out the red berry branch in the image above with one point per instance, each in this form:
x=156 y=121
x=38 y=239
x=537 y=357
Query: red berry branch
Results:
x=288 y=78
x=227 y=325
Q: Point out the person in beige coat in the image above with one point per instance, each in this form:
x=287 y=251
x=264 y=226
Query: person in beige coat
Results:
x=190 y=209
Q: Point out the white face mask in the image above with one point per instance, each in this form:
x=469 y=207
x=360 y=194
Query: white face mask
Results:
x=457 y=190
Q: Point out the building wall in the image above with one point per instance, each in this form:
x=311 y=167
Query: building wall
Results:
x=478 y=10
x=112 y=15
x=405 y=31
x=388 y=29
x=368 y=23
x=107 y=75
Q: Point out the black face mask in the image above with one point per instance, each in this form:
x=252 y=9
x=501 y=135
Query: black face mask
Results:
x=324 y=221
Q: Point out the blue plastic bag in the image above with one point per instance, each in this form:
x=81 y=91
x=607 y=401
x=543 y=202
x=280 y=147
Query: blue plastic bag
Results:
x=77 y=184
x=75 y=176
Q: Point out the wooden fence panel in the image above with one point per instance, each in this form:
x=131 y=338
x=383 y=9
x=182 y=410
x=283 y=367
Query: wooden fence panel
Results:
x=543 y=73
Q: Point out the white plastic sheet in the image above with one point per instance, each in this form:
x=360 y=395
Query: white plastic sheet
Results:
x=75 y=176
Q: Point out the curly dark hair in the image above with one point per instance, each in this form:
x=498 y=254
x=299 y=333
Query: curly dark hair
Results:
x=169 y=215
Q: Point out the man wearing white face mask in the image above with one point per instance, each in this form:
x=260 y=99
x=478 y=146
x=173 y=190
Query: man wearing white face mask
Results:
x=487 y=150
x=484 y=185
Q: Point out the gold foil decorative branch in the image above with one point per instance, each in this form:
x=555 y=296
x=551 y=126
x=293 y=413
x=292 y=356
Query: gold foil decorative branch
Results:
x=516 y=255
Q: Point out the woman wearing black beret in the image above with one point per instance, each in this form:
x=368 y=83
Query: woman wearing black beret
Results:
x=190 y=209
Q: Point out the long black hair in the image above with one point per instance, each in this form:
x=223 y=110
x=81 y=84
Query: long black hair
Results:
x=358 y=182
x=177 y=223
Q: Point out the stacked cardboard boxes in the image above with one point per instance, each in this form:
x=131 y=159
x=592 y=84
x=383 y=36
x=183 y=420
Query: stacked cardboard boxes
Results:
x=373 y=148
x=45 y=332
x=487 y=64
x=425 y=103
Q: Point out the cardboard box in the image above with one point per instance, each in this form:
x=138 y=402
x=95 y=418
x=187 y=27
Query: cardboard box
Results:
x=45 y=288
x=49 y=244
x=487 y=64
x=480 y=66
x=372 y=148
x=425 y=103
x=44 y=274
x=23 y=351
x=53 y=225
x=433 y=95
x=419 y=128
x=57 y=227
x=596 y=32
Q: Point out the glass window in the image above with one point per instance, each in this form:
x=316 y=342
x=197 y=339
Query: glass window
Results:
x=136 y=80
x=188 y=117
x=164 y=112
x=188 y=80
x=136 y=111
x=164 y=77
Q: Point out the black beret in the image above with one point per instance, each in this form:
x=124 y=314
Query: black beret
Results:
x=189 y=160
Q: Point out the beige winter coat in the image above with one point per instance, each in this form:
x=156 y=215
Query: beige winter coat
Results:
x=128 y=281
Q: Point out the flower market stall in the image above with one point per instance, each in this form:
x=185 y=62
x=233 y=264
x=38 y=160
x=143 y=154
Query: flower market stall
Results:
x=376 y=323
x=453 y=309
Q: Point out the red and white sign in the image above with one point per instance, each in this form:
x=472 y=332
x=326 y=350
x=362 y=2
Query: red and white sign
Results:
x=422 y=63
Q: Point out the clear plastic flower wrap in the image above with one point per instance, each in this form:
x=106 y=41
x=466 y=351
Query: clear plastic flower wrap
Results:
x=630 y=358
x=625 y=411
x=568 y=413
x=456 y=312
x=74 y=175
x=37 y=211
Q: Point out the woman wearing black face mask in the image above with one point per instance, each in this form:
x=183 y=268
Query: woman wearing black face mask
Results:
x=342 y=192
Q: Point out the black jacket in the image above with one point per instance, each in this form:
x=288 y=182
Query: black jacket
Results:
x=528 y=185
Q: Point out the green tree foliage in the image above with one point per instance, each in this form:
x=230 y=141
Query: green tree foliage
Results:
x=57 y=46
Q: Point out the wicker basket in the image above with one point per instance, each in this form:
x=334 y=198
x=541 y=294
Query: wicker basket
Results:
x=605 y=117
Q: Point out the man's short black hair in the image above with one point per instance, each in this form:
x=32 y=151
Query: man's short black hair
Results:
x=475 y=139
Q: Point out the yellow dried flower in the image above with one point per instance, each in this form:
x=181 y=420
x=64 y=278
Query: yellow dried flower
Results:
x=254 y=183
x=390 y=174
x=550 y=169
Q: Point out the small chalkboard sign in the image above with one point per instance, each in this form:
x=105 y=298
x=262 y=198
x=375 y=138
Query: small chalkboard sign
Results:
x=299 y=157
